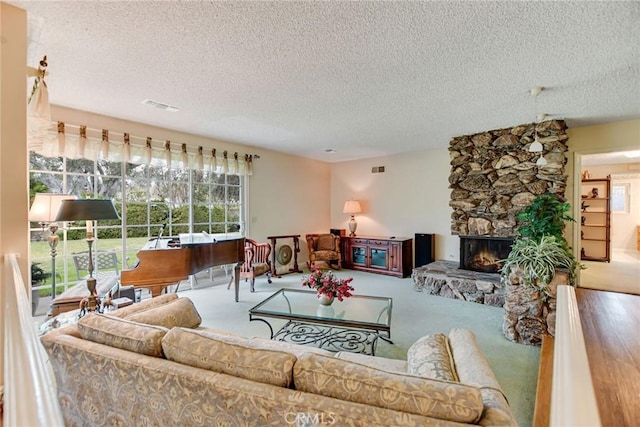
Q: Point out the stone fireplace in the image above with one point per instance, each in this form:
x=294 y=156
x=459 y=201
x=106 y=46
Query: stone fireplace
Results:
x=483 y=254
x=493 y=177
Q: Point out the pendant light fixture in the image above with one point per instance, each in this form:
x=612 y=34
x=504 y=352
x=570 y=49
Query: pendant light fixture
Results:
x=536 y=145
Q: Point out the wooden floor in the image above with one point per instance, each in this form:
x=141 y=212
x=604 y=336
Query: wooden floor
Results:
x=611 y=328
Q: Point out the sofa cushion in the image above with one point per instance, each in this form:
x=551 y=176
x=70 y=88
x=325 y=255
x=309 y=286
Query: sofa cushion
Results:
x=431 y=357
x=179 y=312
x=227 y=354
x=144 y=305
x=295 y=349
x=122 y=333
x=376 y=362
x=341 y=379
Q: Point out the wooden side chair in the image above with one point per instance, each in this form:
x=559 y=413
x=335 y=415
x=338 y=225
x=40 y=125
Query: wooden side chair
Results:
x=324 y=247
x=256 y=262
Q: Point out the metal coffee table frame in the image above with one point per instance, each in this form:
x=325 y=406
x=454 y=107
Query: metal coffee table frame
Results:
x=330 y=333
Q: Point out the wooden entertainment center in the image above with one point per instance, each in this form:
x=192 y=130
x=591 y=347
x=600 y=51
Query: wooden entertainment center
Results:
x=391 y=256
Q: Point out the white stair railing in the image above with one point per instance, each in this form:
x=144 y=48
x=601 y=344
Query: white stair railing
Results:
x=573 y=400
x=29 y=393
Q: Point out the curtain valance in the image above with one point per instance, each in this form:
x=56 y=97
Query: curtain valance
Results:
x=78 y=141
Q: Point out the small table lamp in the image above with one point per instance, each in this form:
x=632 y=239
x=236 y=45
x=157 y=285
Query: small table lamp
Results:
x=352 y=207
x=44 y=210
x=88 y=210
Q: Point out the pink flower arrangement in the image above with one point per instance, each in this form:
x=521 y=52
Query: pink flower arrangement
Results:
x=328 y=284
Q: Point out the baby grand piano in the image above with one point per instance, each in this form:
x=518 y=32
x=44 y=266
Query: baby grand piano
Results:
x=165 y=261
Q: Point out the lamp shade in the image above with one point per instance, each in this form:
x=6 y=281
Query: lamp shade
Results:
x=351 y=207
x=87 y=209
x=45 y=206
x=535 y=146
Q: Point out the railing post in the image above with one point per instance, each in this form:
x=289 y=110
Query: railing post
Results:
x=573 y=401
x=30 y=398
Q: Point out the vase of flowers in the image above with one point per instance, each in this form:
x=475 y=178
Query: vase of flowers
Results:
x=328 y=286
x=325 y=299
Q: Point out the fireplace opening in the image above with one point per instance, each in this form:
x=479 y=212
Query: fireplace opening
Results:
x=483 y=254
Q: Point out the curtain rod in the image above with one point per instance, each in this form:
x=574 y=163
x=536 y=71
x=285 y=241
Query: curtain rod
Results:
x=127 y=137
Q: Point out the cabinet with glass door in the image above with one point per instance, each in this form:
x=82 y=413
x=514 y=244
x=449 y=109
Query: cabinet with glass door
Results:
x=383 y=255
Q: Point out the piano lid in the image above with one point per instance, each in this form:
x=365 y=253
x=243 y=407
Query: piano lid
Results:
x=192 y=238
x=204 y=237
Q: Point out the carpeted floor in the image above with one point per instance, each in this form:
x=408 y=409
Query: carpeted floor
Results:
x=622 y=274
x=414 y=314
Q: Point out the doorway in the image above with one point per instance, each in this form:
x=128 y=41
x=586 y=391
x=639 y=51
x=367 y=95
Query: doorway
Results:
x=622 y=273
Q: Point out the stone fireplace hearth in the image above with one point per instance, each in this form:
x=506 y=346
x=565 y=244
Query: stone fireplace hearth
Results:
x=444 y=278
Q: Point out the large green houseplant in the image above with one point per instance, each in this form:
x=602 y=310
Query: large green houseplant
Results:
x=540 y=247
x=540 y=258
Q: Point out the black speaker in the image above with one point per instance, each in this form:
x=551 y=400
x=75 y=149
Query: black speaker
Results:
x=425 y=250
x=338 y=232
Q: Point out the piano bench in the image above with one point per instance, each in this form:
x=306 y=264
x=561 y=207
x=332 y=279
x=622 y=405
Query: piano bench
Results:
x=130 y=292
x=70 y=299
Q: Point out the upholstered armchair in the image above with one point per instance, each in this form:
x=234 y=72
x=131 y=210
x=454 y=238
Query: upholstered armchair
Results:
x=324 y=247
x=256 y=262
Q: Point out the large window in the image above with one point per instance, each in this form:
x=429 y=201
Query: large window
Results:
x=150 y=200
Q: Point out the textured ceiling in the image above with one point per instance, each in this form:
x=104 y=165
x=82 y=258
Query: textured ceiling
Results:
x=364 y=78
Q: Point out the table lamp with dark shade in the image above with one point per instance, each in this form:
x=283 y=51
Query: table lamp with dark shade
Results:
x=88 y=210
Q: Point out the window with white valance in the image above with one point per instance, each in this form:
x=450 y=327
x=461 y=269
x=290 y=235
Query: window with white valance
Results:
x=156 y=187
x=79 y=142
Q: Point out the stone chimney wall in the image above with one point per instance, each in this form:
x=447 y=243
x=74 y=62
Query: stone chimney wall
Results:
x=494 y=176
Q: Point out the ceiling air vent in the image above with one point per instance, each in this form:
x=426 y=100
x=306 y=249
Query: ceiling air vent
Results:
x=161 y=105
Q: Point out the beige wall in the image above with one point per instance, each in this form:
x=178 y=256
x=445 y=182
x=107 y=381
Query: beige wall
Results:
x=606 y=138
x=286 y=194
x=14 y=188
x=411 y=196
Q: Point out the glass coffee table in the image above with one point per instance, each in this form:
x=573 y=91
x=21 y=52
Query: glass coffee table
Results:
x=354 y=324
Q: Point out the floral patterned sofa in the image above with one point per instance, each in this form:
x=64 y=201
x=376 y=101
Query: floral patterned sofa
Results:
x=151 y=364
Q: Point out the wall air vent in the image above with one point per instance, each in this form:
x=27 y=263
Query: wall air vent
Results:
x=161 y=105
x=377 y=169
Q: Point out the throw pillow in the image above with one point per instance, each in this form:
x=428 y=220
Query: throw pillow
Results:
x=431 y=357
x=122 y=333
x=179 y=312
x=350 y=381
x=144 y=305
x=326 y=243
x=228 y=355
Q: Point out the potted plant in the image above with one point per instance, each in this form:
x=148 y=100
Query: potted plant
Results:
x=38 y=276
x=539 y=260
